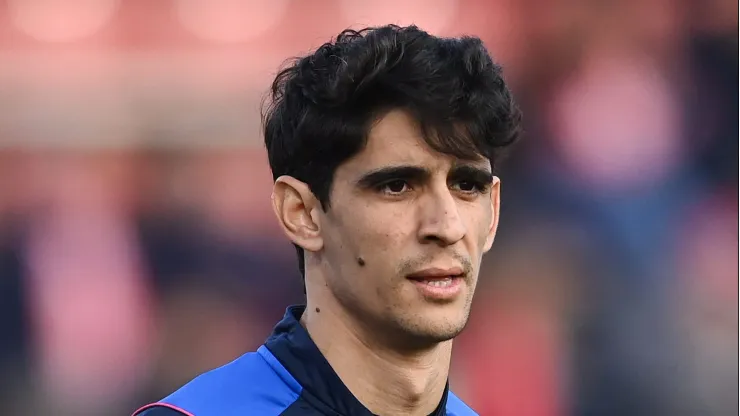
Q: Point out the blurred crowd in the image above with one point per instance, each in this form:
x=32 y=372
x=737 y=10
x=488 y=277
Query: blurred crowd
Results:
x=612 y=287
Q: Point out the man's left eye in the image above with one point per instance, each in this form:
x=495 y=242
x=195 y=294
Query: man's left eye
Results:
x=468 y=186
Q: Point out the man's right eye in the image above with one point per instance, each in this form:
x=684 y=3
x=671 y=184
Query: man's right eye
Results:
x=395 y=187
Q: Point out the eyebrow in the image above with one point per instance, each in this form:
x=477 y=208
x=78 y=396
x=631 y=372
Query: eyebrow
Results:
x=468 y=172
x=390 y=173
x=418 y=174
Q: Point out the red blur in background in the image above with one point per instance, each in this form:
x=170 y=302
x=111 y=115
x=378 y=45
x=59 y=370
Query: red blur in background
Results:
x=138 y=247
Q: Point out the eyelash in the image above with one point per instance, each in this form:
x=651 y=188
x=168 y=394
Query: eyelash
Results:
x=383 y=188
x=478 y=187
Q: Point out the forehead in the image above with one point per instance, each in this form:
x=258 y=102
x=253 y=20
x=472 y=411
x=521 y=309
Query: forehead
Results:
x=396 y=139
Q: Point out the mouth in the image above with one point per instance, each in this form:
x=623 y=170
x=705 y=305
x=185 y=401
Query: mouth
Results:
x=443 y=282
x=437 y=274
x=438 y=284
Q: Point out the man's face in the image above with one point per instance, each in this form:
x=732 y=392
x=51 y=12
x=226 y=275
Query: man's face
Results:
x=405 y=233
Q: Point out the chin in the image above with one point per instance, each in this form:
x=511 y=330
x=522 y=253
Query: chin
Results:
x=436 y=327
x=442 y=335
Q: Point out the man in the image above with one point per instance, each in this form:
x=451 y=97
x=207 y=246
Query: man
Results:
x=382 y=145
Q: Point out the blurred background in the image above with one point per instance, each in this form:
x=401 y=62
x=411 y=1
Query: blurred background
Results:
x=138 y=248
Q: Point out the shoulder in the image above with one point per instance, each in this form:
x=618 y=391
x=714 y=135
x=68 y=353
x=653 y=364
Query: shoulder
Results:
x=256 y=381
x=456 y=407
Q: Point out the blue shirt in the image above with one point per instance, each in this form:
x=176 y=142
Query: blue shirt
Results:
x=287 y=376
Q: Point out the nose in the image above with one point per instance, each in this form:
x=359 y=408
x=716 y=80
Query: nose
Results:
x=440 y=220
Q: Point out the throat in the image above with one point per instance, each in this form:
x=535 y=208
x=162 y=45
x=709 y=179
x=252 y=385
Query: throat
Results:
x=383 y=379
x=403 y=391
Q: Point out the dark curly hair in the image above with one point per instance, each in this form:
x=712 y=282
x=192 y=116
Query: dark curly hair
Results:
x=322 y=106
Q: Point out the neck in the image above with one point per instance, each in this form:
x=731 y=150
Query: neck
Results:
x=383 y=379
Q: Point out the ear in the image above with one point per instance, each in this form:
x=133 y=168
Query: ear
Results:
x=296 y=209
x=495 y=212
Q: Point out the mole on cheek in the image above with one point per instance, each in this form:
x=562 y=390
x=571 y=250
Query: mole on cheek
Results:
x=360 y=261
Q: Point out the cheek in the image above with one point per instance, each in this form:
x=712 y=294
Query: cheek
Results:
x=479 y=223
x=354 y=236
x=381 y=234
x=377 y=237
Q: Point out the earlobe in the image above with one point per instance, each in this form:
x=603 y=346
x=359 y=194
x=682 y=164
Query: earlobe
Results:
x=294 y=205
x=495 y=212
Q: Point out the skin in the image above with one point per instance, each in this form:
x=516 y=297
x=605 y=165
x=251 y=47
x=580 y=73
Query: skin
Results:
x=396 y=208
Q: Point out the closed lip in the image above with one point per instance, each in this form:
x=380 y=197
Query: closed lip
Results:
x=433 y=273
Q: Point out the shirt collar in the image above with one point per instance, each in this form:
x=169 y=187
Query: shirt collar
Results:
x=291 y=344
